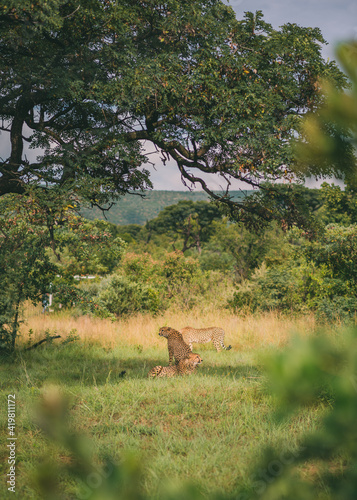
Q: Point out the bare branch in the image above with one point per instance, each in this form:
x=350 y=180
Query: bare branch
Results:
x=47 y=339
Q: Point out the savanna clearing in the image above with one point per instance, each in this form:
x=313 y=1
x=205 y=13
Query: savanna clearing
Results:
x=209 y=429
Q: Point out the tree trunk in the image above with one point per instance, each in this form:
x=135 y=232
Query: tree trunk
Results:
x=15 y=325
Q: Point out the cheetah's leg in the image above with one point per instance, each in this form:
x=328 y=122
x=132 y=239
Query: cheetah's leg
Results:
x=216 y=344
x=224 y=347
x=190 y=346
x=171 y=355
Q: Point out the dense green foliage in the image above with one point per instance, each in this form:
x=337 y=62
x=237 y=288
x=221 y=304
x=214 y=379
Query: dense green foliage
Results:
x=92 y=79
x=41 y=251
x=318 y=275
x=289 y=271
x=25 y=268
x=273 y=269
x=192 y=222
x=339 y=206
x=87 y=247
x=211 y=426
x=143 y=284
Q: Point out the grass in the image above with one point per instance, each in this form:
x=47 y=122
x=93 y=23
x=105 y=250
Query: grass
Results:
x=208 y=428
x=242 y=332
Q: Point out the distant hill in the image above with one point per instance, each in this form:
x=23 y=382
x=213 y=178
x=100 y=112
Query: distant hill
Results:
x=133 y=209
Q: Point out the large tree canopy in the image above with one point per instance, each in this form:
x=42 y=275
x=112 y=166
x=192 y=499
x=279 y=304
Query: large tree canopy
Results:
x=90 y=81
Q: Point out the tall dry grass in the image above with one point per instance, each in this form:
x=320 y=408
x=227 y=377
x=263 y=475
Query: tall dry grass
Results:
x=242 y=332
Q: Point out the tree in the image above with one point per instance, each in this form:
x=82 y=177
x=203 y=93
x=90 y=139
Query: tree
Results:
x=90 y=81
x=25 y=267
x=338 y=205
x=291 y=204
x=187 y=220
x=234 y=248
x=88 y=247
x=32 y=257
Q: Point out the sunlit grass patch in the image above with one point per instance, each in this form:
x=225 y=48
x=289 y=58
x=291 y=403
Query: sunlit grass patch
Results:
x=242 y=332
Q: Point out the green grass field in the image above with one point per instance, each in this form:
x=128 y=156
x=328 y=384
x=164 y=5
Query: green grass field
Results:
x=209 y=428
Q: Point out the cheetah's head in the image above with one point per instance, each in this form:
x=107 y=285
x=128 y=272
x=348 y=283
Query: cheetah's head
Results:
x=165 y=331
x=194 y=359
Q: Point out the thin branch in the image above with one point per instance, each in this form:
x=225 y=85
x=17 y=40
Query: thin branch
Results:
x=42 y=341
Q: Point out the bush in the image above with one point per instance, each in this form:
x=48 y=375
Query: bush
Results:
x=143 y=284
x=123 y=296
x=281 y=288
x=317 y=277
x=337 y=308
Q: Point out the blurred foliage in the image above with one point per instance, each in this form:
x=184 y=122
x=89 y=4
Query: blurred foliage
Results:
x=330 y=132
x=317 y=371
x=108 y=481
x=79 y=475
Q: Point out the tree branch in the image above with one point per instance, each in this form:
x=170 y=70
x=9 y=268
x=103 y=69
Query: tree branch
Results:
x=47 y=339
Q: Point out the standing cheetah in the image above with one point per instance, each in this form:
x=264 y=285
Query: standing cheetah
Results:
x=203 y=335
x=175 y=343
x=184 y=367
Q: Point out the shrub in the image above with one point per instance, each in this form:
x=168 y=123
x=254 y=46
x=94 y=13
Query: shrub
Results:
x=337 y=308
x=280 y=288
x=143 y=284
x=319 y=276
x=123 y=296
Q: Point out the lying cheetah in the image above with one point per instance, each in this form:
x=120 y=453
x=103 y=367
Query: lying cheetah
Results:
x=175 y=343
x=184 y=367
x=203 y=335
